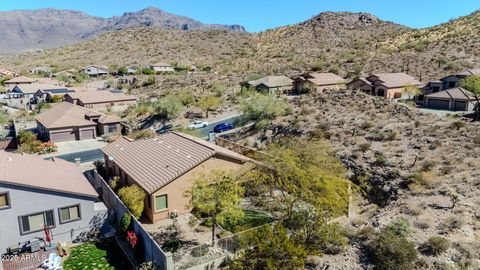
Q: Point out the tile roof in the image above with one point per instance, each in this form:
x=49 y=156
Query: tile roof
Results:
x=104 y=96
x=392 y=80
x=57 y=175
x=34 y=87
x=67 y=114
x=153 y=163
x=272 y=81
x=454 y=93
x=325 y=78
x=20 y=79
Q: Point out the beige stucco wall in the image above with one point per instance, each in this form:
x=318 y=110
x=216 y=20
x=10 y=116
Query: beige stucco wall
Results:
x=176 y=190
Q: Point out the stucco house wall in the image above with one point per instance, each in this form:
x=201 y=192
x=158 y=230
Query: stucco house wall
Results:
x=25 y=201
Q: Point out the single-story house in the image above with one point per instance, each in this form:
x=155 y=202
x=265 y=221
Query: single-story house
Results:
x=162 y=67
x=455 y=99
x=35 y=193
x=21 y=80
x=65 y=74
x=318 y=82
x=165 y=168
x=271 y=84
x=40 y=70
x=8 y=73
x=388 y=85
x=69 y=122
x=100 y=99
x=96 y=71
x=453 y=81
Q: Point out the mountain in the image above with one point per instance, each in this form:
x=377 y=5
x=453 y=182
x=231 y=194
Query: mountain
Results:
x=350 y=44
x=24 y=30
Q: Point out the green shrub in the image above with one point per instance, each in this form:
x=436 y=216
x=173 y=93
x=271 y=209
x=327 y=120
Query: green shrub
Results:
x=125 y=223
x=436 y=245
x=400 y=227
x=200 y=251
x=389 y=251
x=457 y=125
x=364 y=147
x=133 y=197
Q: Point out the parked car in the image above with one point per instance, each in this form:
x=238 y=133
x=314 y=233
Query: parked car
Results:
x=164 y=128
x=198 y=124
x=223 y=127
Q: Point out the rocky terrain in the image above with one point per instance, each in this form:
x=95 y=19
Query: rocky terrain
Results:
x=409 y=165
x=350 y=44
x=26 y=30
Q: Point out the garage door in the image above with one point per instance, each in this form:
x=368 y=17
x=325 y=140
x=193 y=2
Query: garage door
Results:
x=460 y=106
x=438 y=104
x=87 y=134
x=62 y=136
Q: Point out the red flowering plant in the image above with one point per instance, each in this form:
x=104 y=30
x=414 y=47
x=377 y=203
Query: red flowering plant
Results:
x=132 y=239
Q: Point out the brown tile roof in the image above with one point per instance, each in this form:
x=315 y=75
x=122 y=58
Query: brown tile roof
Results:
x=392 y=80
x=101 y=97
x=20 y=79
x=67 y=114
x=454 y=93
x=153 y=163
x=325 y=78
x=33 y=171
x=272 y=81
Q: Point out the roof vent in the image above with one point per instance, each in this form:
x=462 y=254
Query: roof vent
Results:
x=9 y=159
x=169 y=146
x=189 y=156
x=176 y=150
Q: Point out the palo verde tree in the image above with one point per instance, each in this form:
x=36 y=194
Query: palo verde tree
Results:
x=262 y=108
x=209 y=103
x=472 y=84
x=216 y=197
x=168 y=107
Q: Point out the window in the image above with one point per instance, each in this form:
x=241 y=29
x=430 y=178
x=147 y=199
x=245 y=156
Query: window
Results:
x=161 y=202
x=435 y=89
x=452 y=84
x=112 y=128
x=381 y=93
x=36 y=222
x=4 y=200
x=68 y=214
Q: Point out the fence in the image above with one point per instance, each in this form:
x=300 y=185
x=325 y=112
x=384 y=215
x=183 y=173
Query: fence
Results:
x=152 y=252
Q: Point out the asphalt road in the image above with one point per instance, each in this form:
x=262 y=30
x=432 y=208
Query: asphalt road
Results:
x=204 y=131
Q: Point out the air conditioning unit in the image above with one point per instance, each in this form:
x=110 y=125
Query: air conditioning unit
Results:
x=174 y=214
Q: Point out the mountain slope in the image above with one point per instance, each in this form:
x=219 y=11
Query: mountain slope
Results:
x=347 y=43
x=47 y=28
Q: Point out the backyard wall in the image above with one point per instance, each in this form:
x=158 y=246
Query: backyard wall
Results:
x=152 y=251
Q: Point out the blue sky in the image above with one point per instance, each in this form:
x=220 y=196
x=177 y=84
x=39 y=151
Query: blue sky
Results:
x=258 y=15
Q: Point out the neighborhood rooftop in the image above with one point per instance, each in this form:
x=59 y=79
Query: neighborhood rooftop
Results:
x=20 y=79
x=33 y=171
x=272 y=81
x=34 y=87
x=100 y=96
x=325 y=78
x=392 y=80
x=67 y=114
x=154 y=163
x=454 y=93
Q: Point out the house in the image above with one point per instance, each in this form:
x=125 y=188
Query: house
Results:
x=455 y=99
x=35 y=193
x=132 y=70
x=100 y=99
x=271 y=84
x=162 y=68
x=64 y=74
x=318 y=82
x=48 y=93
x=96 y=71
x=453 y=81
x=24 y=95
x=41 y=70
x=165 y=168
x=69 y=122
x=8 y=73
x=21 y=80
x=388 y=85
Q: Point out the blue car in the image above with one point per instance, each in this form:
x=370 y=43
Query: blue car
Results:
x=223 y=127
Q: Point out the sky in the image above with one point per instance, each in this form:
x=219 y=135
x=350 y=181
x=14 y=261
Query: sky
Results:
x=259 y=15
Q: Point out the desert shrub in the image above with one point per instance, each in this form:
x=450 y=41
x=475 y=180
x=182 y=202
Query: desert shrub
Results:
x=389 y=251
x=200 y=251
x=476 y=140
x=380 y=159
x=366 y=125
x=148 y=71
x=457 y=125
x=364 y=147
x=428 y=165
x=400 y=227
x=435 y=245
x=133 y=198
x=452 y=223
